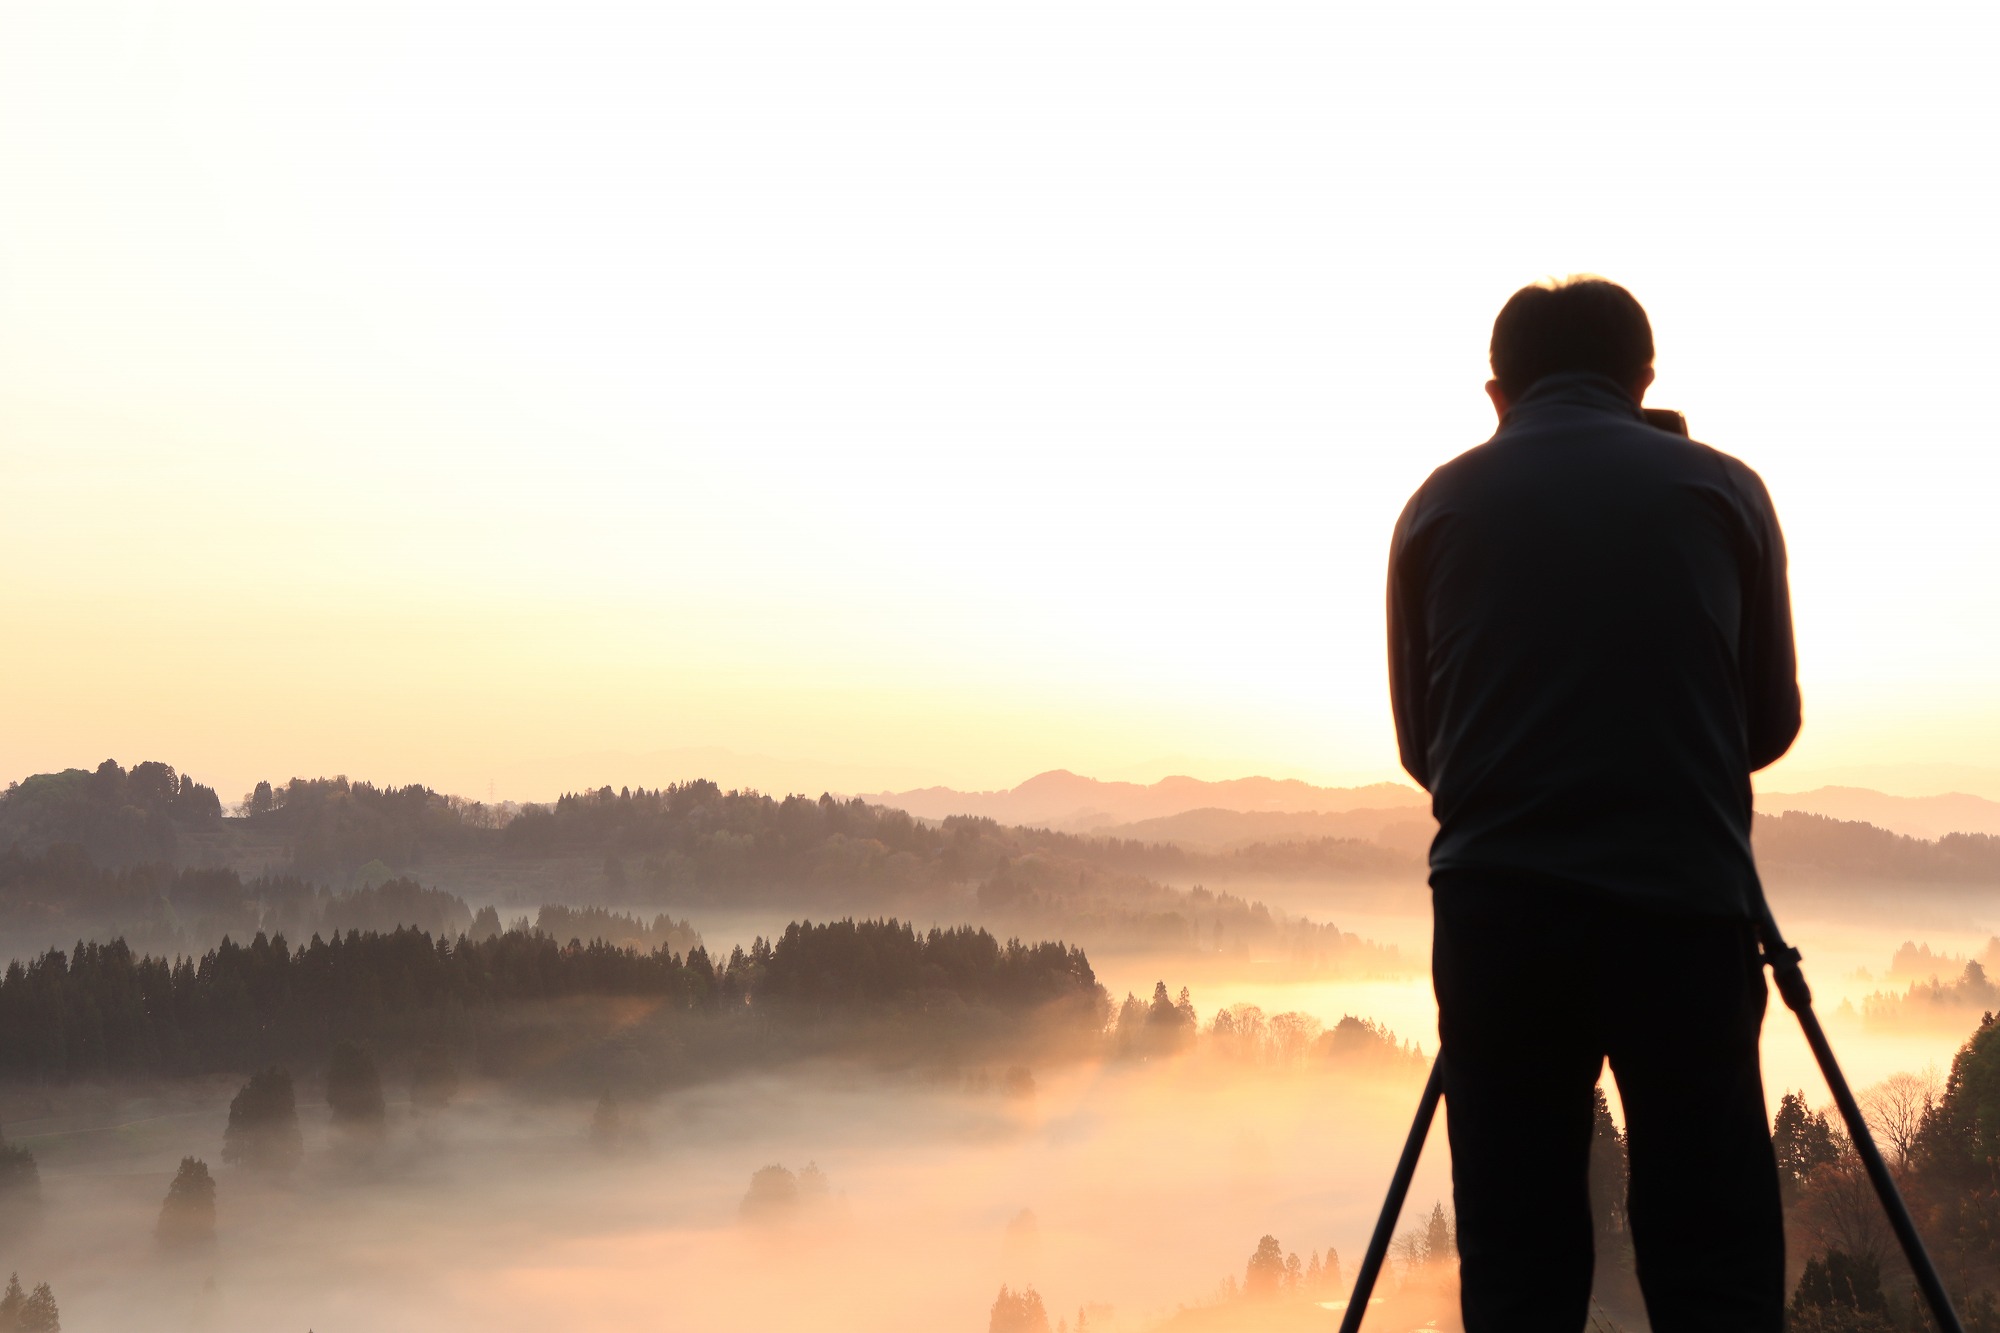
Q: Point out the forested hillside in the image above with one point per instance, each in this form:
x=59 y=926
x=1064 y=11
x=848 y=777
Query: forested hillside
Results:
x=1943 y=1148
x=688 y=839
x=62 y=894
x=516 y=1000
x=330 y=853
x=1799 y=844
x=695 y=835
x=151 y=814
x=161 y=866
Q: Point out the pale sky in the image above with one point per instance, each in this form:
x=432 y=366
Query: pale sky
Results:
x=512 y=396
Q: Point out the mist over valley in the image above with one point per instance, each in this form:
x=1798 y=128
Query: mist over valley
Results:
x=611 y=1061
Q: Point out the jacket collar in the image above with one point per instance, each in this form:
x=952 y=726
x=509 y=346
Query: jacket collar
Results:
x=1572 y=389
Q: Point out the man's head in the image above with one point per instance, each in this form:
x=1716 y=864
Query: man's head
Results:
x=1576 y=324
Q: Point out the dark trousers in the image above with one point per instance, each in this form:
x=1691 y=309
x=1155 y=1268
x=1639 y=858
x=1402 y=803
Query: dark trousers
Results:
x=1536 y=987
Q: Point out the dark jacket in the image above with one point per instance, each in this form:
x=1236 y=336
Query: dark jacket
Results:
x=1590 y=650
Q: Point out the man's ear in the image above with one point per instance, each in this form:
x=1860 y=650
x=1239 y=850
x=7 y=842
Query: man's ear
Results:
x=1645 y=383
x=1500 y=400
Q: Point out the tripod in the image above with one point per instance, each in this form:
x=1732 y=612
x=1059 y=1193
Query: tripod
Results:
x=1783 y=960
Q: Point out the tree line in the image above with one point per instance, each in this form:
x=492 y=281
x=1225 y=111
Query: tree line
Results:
x=1934 y=1001
x=1168 y=1026
x=559 y=921
x=684 y=839
x=62 y=892
x=706 y=844
x=697 y=837
x=104 y=1009
x=1795 y=842
x=1919 y=962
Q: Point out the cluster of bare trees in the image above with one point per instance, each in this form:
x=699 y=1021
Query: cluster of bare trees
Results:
x=1826 y=1188
x=1896 y=1106
x=1243 y=1032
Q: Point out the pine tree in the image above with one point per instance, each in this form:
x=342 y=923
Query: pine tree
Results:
x=38 y=1313
x=1615 y=1265
x=1438 y=1246
x=1131 y=1026
x=263 y=1130
x=187 y=1218
x=1018 y=1312
x=20 y=1189
x=1802 y=1141
x=773 y=1195
x=1608 y=1170
x=1265 y=1272
x=485 y=924
x=11 y=1302
x=1840 y=1292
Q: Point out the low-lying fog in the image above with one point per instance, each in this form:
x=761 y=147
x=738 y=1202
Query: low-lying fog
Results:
x=1123 y=1189
x=1113 y=1186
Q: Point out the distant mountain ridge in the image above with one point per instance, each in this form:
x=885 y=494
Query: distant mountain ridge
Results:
x=1402 y=827
x=1062 y=800
x=1927 y=817
x=694 y=842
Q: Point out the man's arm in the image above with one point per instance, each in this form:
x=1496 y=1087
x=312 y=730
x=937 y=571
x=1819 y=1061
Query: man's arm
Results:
x=1770 y=661
x=1409 y=655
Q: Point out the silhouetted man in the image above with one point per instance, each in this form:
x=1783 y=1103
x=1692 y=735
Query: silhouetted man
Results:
x=1590 y=650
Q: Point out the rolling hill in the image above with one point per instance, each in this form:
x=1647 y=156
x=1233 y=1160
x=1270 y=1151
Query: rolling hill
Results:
x=1928 y=817
x=1067 y=802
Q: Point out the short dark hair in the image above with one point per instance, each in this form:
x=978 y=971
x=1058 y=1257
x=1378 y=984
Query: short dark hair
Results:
x=1579 y=323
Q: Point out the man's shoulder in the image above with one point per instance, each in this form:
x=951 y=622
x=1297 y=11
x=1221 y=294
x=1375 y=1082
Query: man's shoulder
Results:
x=1447 y=485
x=1737 y=476
x=1517 y=470
x=1737 y=470
x=1485 y=453
x=1510 y=449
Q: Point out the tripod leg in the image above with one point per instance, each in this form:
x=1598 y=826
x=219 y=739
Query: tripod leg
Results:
x=1791 y=982
x=1392 y=1206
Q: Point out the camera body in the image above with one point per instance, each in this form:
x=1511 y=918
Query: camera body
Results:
x=1665 y=418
